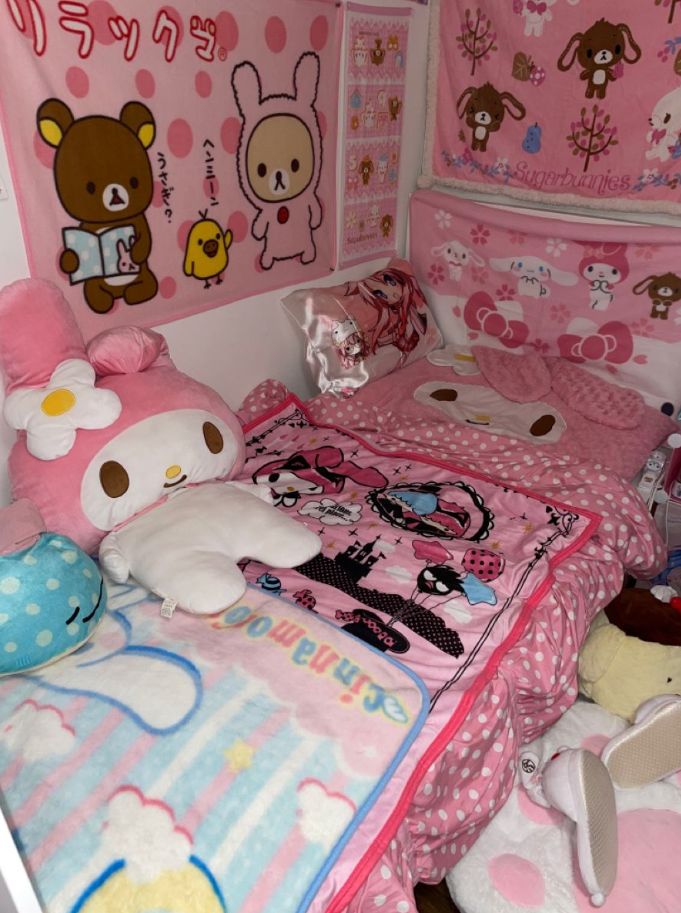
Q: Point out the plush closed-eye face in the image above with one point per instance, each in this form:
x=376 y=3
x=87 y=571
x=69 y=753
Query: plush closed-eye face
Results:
x=280 y=158
x=485 y=409
x=154 y=458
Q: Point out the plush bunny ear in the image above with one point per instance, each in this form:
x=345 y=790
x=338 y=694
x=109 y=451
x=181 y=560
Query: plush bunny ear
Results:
x=37 y=332
x=127 y=350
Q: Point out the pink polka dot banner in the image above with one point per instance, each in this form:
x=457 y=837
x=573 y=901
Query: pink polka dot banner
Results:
x=375 y=67
x=169 y=161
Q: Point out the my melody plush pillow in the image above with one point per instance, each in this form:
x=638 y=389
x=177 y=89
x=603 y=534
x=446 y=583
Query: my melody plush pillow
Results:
x=363 y=330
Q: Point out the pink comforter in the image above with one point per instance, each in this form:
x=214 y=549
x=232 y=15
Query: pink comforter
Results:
x=535 y=681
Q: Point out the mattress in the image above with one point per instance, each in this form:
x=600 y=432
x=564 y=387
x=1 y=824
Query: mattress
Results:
x=466 y=589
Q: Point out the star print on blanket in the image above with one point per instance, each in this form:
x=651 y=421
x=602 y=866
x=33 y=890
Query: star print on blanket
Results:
x=429 y=562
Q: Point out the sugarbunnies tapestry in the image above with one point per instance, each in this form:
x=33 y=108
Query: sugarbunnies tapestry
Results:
x=565 y=101
x=169 y=159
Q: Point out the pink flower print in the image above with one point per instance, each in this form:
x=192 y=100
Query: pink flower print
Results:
x=516 y=237
x=540 y=346
x=642 y=327
x=443 y=218
x=646 y=251
x=506 y=293
x=555 y=246
x=559 y=312
x=480 y=234
x=479 y=274
x=436 y=273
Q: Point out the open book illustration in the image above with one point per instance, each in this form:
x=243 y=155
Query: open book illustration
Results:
x=106 y=253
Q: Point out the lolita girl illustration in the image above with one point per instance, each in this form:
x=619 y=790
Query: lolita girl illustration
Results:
x=603 y=266
x=399 y=307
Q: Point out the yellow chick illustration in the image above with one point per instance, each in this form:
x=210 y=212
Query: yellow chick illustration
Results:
x=206 y=254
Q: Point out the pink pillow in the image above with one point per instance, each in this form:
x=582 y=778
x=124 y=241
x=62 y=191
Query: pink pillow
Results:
x=596 y=399
x=520 y=378
x=363 y=330
x=20 y=526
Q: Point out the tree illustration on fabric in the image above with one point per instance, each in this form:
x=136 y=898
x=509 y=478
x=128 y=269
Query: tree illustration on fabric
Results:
x=592 y=138
x=477 y=40
x=672 y=7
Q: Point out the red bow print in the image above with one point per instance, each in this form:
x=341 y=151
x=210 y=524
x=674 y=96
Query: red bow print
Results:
x=613 y=343
x=481 y=314
x=534 y=7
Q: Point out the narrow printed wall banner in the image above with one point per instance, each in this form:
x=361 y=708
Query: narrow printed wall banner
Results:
x=376 y=42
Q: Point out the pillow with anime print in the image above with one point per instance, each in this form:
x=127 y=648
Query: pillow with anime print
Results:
x=363 y=329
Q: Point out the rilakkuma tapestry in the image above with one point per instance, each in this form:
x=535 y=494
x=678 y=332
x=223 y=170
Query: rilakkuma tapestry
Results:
x=167 y=160
x=375 y=67
x=563 y=101
x=604 y=295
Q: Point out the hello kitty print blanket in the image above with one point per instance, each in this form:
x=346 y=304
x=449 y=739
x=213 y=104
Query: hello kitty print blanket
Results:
x=558 y=100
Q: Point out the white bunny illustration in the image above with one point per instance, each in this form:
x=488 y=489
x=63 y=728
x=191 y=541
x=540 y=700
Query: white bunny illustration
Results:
x=457 y=256
x=536 y=13
x=125 y=262
x=533 y=274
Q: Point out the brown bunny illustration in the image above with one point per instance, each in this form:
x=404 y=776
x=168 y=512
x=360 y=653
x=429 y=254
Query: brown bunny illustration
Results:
x=662 y=290
x=484 y=109
x=598 y=50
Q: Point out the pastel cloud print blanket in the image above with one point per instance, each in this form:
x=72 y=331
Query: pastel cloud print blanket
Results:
x=559 y=100
x=170 y=765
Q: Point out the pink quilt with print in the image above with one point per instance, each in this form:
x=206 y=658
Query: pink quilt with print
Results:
x=605 y=295
x=558 y=100
x=469 y=754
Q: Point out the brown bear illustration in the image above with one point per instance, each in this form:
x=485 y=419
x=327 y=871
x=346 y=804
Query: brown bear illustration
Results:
x=598 y=50
x=386 y=225
x=484 y=109
x=103 y=178
x=366 y=169
x=662 y=290
x=377 y=53
x=394 y=106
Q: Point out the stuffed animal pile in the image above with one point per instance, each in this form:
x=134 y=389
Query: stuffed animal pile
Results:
x=632 y=653
x=121 y=451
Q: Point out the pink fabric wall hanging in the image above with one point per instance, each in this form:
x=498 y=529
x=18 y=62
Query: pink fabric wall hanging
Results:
x=604 y=295
x=165 y=161
x=558 y=100
x=376 y=61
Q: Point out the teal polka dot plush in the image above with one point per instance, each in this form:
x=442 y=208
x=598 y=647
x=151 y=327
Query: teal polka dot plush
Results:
x=51 y=598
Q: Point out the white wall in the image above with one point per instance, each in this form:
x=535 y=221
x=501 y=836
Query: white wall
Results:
x=233 y=347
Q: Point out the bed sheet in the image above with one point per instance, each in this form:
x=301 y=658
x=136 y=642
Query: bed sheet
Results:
x=535 y=682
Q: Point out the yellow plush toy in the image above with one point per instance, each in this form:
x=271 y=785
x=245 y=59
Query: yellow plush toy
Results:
x=632 y=653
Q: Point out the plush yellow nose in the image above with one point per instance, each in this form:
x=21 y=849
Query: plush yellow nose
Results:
x=58 y=402
x=172 y=472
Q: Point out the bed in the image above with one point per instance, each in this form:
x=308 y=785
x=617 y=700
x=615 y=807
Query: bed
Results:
x=458 y=576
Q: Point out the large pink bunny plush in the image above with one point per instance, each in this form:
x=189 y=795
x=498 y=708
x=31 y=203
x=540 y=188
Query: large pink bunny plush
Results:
x=121 y=451
x=279 y=160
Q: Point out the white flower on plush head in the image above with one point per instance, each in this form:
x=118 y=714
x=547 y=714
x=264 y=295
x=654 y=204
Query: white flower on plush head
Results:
x=153 y=476
x=51 y=414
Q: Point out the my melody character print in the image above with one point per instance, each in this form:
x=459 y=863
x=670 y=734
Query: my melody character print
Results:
x=279 y=160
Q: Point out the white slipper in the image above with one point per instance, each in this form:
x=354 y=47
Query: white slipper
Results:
x=650 y=749
x=577 y=783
